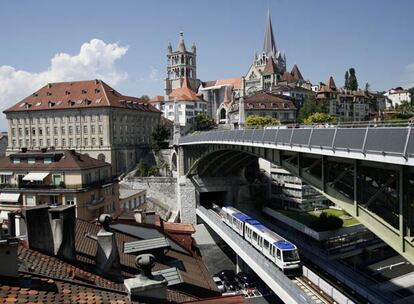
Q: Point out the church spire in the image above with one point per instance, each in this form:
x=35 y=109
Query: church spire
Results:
x=181 y=44
x=269 y=45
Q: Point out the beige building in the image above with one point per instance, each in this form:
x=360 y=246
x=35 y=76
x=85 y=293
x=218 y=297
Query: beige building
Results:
x=129 y=199
x=58 y=178
x=86 y=116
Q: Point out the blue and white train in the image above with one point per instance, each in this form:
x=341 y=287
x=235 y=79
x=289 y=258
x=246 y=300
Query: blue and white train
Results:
x=277 y=249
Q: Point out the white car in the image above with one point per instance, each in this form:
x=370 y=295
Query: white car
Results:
x=219 y=284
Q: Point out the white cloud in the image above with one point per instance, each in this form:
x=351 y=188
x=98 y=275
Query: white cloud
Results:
x=96 y=59
x=153 y=76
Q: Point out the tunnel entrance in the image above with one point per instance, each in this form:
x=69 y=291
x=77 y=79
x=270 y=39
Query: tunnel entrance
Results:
x=207 y=199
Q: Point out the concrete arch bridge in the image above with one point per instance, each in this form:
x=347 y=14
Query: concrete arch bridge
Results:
x=369 y=172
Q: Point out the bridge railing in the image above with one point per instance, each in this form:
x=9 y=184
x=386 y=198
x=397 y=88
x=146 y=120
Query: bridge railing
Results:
x=398 y=141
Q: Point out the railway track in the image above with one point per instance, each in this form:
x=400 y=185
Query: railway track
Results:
x=312 y=291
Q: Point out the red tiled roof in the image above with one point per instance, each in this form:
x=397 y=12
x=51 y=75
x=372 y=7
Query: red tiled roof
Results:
x=156 y=99
x=235 y=82
x=265 y=100
x=184 y=93
x=287 y=77
x=296 y=73
x=69 y=161
x=79 y=95
x=270 y=67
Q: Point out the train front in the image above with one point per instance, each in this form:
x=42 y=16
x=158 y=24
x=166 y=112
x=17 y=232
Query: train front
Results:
x=290 y=258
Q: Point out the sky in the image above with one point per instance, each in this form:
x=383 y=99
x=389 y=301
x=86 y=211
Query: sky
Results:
x=124 y=42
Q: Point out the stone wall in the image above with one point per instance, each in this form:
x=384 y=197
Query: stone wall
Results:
x=162 y=189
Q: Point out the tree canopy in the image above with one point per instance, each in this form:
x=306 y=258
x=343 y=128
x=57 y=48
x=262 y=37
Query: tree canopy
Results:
x=319 y=117
x=352 y=80
x=203 y=122
x=261 y=121
x=159 y=137
x=309 y=107
x=145 y=97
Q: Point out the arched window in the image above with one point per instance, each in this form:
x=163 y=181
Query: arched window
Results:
x=223 y=113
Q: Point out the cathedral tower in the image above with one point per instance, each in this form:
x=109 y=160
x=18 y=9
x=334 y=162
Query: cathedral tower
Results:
x=181 y=64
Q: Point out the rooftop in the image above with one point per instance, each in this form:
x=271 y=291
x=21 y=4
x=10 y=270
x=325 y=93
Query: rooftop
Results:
x=79 y=95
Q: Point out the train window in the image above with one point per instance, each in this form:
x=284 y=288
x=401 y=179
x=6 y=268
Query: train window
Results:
x=278 y=253
x=266 y=244
x=255 y=235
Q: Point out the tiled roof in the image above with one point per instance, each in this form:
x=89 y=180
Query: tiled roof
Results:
x=238 y=299
x=267 y=101
x=235 y=82
x=287 y=77
x=184 y=93
x=296 y=73
x=156 y=99
x=69 y=161
x=79 y=95
x=270 y=67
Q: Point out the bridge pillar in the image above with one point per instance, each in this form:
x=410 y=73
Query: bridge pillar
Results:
x=186 y=200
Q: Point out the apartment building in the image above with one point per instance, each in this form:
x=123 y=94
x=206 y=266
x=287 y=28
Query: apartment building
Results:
x=86 y=116
x=31 y=178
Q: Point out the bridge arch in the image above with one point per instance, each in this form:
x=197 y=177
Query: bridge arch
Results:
x=380 y=195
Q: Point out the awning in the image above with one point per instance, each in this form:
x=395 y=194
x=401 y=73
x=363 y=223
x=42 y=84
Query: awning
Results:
x=9 y=197
x=36 y=176
x=6 y=173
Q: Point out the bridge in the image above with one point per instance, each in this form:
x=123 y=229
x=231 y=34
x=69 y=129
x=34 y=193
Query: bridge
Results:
x=367 y=171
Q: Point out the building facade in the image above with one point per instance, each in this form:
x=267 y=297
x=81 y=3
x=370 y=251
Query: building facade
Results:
x=265 y=103
x=181 y=64
x=86 y=116
x=184 y=105
x=397 y=96
x=58 y=178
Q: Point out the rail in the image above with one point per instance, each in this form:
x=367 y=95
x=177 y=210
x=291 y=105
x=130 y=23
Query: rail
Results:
x=394 y=141
x=287 y=290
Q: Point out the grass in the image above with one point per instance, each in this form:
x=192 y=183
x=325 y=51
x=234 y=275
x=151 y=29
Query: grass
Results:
x=307 y=218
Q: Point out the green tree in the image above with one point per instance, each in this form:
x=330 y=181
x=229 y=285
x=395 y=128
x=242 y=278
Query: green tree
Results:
x=145 y=97
x=310 y=106
x=327 y=222
x=159 y=137
x=203 y=122
x=346 y=80
x=319 y=118
x=352 y=81
x=411 y=91
x=261 y=121
x=142 y=169
x=367 y=87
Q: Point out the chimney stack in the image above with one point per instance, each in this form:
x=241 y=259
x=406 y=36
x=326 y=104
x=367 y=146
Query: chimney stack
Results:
x=51 y=230
x=12 y=224
x=146 y=287
x=107 y=256
x=8 y=257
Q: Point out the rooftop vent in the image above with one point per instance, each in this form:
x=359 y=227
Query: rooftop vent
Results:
x=97 y=91
x=35 y=94
x=49 y=85
x=71 y=102
x=84 y=91
x=67 y=93
x=51 y=104
x=96 y=81
x=48 y=93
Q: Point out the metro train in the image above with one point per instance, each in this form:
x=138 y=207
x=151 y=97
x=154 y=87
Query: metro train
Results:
x=277 y=249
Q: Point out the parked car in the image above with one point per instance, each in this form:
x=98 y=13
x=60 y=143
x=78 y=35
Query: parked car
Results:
x=220 y=284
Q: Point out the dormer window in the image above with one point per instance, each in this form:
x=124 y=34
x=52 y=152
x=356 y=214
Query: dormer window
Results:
x=71 y=103
x=51 y=104
x=87 y=102
x=67 y=93
x=97 y=91
x=48 y=93
x=84 y=92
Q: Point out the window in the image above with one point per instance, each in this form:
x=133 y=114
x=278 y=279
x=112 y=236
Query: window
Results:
x=40 y=131
x=92 y=129
x=63 y=142
x=13 y=132
x=48 y=142
x=20 y=131
x=77 y=129
x=70 y=130
x=31 y=160
x=85 y=141
x=40 y=142
x=85 y=129
x=92 y=118
x=55 y=130
x=26 y=131
x=16 y=160
x=278 y=253
x=30 y=200
x=47 y=131
x=70 y=199
x=266 y=244
x=62 y=130
x=100 y=117
x=100 y=129
x=101 y=141
x=55 y=142
x=78 y=142
x=33 y=131
x=70 y=142
x=13 y=143
x=34 y=142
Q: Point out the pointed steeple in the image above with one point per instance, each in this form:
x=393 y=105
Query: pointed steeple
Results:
x=297 y=75
x=331 y=84
x=269 y=45
x=181 y=44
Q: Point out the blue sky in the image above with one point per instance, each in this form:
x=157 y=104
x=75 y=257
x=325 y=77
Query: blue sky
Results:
x=323 y=37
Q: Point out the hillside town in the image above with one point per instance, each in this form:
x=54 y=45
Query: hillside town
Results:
x=104 y=198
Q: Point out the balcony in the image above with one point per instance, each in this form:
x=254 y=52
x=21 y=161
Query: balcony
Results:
x=23 y=185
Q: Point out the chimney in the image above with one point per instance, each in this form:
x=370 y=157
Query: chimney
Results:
x=107 y=256
x=146 y=287
x=51 y=230
x=12 y=224
x=8 y=257
x=138 y=215
x=149 y=217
